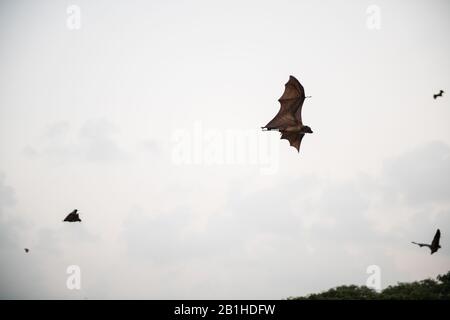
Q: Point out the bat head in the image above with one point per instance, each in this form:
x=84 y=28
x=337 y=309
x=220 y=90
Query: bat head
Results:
x=306 y=129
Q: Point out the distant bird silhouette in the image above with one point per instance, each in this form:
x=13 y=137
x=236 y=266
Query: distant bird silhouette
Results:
x=26 y=250
x=438 y=94
x=434 y=246
x=73 y=217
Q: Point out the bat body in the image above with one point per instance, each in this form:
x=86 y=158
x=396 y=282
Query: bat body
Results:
x=73 y=217
x=438 y=94
x=434 y=246
x=288 y=120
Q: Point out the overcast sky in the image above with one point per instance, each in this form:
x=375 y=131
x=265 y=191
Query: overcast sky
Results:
x=146 y=116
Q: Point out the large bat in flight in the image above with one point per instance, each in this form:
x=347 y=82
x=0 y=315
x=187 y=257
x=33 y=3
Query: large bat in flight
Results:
x=288 y=120
x=434 y=246
x=73 y=217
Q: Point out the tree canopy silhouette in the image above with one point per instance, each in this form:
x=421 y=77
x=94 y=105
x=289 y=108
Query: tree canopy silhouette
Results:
x=428 y=289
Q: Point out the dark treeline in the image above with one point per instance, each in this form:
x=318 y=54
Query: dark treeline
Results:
x=428 y=289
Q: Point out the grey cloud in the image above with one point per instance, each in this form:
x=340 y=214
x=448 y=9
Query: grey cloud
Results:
x=55 y=240
x=152 y=146
x=7 y=194
x=165 y=238
x=30 y=152
x=94 y=142
x=268 y=214
x=7 y=225
x=422 y=175
x=10 y=264
x=57 y=130
x=267 y=231
x=264 y=234
x=246 y=241
x=305 y=205
x=10 y=225
x=39 y=274
x=416 y=182
x=98 y=144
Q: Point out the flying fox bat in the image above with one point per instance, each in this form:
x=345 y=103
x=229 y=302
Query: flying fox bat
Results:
x=288 y=120
x=438 y=94
x=73 y=217
x=434 y=246
x=26 y=250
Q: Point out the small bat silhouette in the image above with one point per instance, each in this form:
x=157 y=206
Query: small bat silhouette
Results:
x=434 y=246
x=288 y=120
x=73 y=217
x=438 y=94
x=26 y=250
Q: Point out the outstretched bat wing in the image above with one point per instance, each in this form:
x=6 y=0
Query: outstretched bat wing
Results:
x=72 y=217
x=436 y=238
x=291 y=102
x=421 y=244
x=294 y=138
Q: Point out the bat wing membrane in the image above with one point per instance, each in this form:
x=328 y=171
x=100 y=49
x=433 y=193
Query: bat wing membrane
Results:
x=436 y=238
x=294 y=138
x=291 y=102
